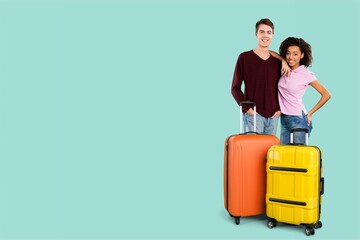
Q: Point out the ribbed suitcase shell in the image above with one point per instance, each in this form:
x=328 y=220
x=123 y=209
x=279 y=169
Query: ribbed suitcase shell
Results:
x=245 y=173
x=294 y=184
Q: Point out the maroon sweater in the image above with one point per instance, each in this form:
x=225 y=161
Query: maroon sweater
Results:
x=260 y=78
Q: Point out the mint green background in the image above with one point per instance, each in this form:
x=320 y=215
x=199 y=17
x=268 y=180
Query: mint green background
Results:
x=113 y=115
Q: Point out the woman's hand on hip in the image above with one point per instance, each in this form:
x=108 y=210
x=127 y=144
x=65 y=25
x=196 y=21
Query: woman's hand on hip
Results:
x=309 y=117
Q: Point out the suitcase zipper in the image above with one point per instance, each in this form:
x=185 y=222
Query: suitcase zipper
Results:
x=227 y=173
x=227 y=170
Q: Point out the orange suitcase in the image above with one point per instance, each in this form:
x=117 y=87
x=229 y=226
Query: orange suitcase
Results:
x=245 y=172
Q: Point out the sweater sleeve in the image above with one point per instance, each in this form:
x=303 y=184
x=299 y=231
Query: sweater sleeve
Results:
x=237 y=81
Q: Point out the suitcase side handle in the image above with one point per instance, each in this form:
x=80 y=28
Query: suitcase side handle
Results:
x=322 y=182
x=241 y=114
x=293 y=130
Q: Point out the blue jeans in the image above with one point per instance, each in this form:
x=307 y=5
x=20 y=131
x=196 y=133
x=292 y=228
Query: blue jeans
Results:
x=263 y=125
x=288 y=122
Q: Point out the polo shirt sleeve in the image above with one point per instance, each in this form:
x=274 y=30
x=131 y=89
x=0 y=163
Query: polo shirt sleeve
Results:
x=310 y=77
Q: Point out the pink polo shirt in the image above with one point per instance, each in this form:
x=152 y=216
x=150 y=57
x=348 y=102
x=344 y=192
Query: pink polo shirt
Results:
x=292 y=89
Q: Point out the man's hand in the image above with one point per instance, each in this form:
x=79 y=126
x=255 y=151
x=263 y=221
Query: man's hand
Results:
x=250 y=111
x=277 y=113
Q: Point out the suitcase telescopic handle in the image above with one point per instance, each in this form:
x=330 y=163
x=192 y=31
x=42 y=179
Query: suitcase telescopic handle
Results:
x=241 y=115
x=293 y=130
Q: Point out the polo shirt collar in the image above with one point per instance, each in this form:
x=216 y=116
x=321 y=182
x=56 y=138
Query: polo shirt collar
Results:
x=298 y=69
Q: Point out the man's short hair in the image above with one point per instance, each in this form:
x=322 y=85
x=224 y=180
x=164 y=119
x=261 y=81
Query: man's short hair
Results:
x=265 y=21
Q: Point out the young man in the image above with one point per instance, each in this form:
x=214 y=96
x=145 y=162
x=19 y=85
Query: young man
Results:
x=260 y=72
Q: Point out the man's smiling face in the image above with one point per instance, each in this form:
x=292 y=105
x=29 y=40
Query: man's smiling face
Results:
x=264 y=35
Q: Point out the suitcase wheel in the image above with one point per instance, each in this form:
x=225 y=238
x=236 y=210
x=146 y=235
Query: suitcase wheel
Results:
x=237 y=220
x=309 y=230
x=318 y=225
x=271 y=223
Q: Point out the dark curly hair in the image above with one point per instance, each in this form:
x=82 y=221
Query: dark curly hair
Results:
x=304 y=48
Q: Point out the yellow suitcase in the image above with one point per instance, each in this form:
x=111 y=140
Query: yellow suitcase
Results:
x=294 y=185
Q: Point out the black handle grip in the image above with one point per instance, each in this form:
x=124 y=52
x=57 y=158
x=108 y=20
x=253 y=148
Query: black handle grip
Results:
x=251 y=132
x=322 y=181
x=299 y=130
x=247 y=102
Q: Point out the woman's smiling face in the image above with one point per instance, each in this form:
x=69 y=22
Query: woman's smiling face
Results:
x=293 y=56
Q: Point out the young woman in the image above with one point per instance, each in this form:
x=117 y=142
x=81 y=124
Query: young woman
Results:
x=291 y=89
